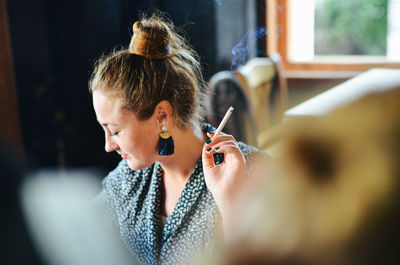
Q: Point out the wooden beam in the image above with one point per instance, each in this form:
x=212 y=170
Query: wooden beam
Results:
x=9 y=115
x=271 y=21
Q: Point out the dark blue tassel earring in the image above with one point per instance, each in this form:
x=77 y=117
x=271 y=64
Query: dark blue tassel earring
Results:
x=165 y=143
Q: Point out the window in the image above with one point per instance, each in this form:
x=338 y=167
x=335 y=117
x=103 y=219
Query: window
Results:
x=336 y=35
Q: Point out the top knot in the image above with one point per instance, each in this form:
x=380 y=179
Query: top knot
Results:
x=150 y=39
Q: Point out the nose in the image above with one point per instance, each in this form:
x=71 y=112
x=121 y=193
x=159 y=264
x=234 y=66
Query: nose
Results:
x=110 y=144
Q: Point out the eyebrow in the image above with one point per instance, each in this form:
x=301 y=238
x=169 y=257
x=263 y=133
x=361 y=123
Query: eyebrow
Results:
x=106 y=124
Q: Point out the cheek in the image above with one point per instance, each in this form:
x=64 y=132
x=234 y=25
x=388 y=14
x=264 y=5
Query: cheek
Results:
x=141 y=141
x=152 y=141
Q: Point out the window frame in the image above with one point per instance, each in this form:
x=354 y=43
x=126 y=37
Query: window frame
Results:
x=322 y=66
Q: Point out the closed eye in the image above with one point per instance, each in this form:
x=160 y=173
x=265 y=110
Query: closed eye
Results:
x=114 y=133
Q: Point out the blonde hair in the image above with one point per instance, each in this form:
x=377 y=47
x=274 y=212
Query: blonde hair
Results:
x=158 y=65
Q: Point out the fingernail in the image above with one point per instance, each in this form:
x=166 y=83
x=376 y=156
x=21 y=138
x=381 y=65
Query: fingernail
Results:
x=217 y=148
x=208 y=149
x=208 y=141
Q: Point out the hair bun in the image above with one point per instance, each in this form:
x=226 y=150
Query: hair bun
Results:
x=150 y=39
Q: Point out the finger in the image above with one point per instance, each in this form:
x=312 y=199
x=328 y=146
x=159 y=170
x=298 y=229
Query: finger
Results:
x=209 y=151
x=207 y=157
x=230 y=150
x=232 y=154
x=222 y=143
x=220 y=138
x=226 y=149
x=211 y=135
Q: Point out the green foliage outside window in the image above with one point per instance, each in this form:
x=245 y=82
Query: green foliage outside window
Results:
x=351 y=27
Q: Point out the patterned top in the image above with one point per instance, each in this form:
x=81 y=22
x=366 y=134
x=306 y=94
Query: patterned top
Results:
x=133 y=200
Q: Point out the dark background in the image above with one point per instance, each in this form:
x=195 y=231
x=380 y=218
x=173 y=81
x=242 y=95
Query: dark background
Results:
x=56 y=42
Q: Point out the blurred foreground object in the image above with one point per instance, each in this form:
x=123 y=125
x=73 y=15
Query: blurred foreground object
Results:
x=66 y=227
x=374 y=80
x=333 y=196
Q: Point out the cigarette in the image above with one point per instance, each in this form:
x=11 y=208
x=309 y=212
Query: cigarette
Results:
x=224 y=121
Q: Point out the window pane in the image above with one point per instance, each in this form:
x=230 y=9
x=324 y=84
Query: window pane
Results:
x=351 y=27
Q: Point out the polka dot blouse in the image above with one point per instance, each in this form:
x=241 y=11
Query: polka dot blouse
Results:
x=132 y=199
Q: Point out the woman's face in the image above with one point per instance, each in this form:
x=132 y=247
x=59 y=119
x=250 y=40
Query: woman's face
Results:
x=136 y=141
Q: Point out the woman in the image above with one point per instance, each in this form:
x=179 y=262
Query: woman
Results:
x=168 y=194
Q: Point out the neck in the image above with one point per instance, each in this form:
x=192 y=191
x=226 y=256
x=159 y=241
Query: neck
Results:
x=188 y=148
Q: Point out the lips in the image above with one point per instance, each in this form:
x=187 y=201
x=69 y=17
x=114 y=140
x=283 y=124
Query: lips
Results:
x=124 y=156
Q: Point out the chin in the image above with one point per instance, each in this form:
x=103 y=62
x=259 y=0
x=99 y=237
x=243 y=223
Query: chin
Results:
x=137 y=165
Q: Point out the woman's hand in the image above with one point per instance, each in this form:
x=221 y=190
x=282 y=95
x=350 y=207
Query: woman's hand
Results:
x=225 y=179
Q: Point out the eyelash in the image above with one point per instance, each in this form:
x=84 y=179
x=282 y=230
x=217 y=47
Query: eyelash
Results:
x=114 y=134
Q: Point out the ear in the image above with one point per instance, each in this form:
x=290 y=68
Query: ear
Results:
x=163 y=112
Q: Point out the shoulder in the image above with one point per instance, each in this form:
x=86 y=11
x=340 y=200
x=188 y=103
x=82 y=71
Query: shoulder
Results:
x=112 y=180
x=257 y=161
x=118 y=188
x=249 y=151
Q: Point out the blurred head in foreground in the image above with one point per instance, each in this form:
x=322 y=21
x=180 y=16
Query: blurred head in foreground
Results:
x=334 y=194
